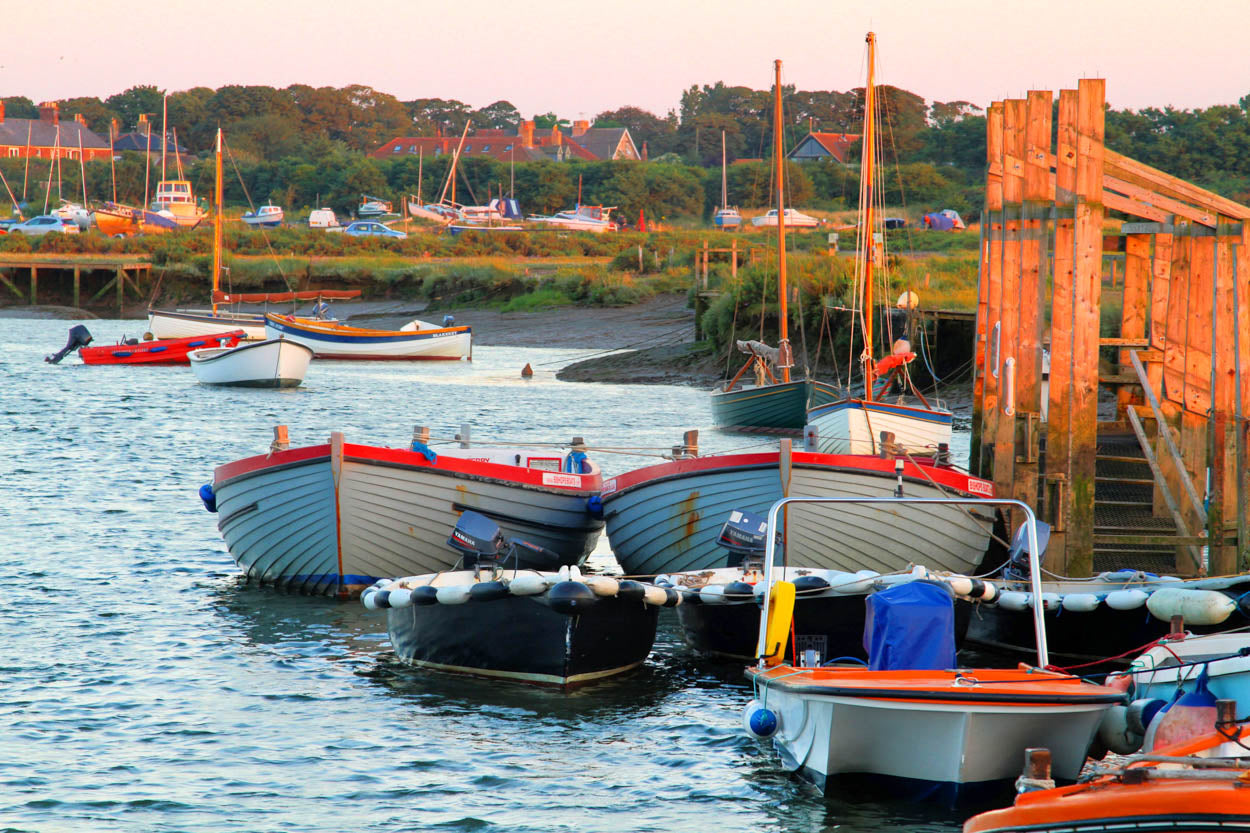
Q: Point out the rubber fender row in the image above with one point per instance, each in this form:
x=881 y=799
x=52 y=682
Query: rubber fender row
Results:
x=1198 y=607
x=566 y=592
x=807 y=586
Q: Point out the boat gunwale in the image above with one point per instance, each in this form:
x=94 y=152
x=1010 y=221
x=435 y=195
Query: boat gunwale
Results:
x=338 y=332
x=242 y=346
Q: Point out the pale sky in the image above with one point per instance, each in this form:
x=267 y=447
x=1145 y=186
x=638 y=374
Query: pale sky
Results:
x=581 y=57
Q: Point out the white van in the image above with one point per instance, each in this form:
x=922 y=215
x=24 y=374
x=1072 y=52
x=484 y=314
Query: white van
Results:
x=323 y=218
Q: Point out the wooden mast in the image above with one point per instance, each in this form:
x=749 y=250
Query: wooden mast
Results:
x=724 y=179
x=451 y=175
x=868 y=157
x=217 y=221
x=783 y=345
x=164 y=132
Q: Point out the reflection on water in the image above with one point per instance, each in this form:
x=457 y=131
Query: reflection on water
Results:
x=147 y=687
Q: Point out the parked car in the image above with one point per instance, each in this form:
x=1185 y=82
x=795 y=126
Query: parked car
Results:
x=44 y=224
x=372 y=228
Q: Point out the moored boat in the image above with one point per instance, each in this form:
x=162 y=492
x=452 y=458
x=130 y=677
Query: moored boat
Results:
x=770 y=405
x=914 y=721
x=373 y=206
x=117 y=220
x=138 y=351
x=274 y=363
x=592 y=218
x=1194 y=786
x=269 y=216
x=179 y=323
x=175 y=199
x=503 y=617
x=415 y=340
x=664 y=518
x=792 y=217
x=333 y=518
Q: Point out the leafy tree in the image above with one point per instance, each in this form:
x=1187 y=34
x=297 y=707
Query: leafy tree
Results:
x=93 y=110
x=500 y=116
x=19 y=107
x=132 y=103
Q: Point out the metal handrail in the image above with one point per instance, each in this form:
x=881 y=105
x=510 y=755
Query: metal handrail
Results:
x=1035 y=573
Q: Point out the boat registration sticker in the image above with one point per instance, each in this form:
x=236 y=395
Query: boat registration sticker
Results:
x=609 y=486
x=980 y=487
x=557 y=479
x=544 y=463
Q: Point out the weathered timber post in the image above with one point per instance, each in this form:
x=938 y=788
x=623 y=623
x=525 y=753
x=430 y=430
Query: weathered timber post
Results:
x=1014 y=117
x=1087 y=279
x=77 y=279
x=1133 y=315
x=985 y=418
x=121 y=290
x=1032 y=294
x=34 y=284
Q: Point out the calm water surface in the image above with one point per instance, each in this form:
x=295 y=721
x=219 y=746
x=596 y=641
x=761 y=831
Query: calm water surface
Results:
x=146 y=688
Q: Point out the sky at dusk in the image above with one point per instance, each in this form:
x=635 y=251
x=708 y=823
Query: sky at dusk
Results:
x=581 y=58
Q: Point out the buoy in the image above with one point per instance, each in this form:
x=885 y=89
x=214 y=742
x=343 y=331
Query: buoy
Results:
x=712 y=594
x=527 y=372
x=1127 y=599
x=570 y=597
x=1115 y=732
x=960 y=585
x=382 y=599
x=455 y=595
x=1141 y=712
x=671 y=597
x=991 y=591
x=208 y=497
x=662 y=580
x=1050 y=601
x=780 y=615
x=527 y=584
x=1014 y=600
x=488 y=591
x=1198 y=607
x=739 y=591
x=423 y=595
x=594 y=506
x=1083 y=603
x=399 y=597
x=759 y=721
x=863 y=583
x=653 y=595
x=603 y=585
x=366 y=599
x=631 y=591
x=810 y=585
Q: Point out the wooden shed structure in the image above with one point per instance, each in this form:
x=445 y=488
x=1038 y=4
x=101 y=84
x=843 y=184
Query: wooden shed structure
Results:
x=1134 y=445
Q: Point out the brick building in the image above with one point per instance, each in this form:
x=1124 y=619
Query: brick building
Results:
x=46 y=136
x=527 y=144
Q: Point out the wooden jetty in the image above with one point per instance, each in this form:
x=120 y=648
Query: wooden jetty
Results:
x=1137 y=442
x=102 y=274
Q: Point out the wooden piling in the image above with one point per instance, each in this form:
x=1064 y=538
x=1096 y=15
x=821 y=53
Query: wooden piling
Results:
x=1133 y=314
x=34 y=284
x=1087 y=280
x=1014 y=117
x=1223 y=460
x=77 y=279
x=985 y=419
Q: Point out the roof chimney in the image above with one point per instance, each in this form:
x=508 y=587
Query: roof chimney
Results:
x=49 y=111
x=557 y=138
x=1 y=111
x=580 y=127
x=78 y=118
x=644 y=151
x=526 y=134
x=143 y=121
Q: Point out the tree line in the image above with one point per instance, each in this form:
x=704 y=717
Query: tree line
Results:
x=303 y=145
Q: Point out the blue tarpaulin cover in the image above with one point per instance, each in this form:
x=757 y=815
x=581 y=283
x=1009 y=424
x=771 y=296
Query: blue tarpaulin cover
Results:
x=910 y=627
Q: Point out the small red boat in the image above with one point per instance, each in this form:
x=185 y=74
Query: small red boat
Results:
x=158 y=351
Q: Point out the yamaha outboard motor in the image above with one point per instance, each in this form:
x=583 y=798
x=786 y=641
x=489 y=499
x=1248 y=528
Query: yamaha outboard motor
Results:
x=477 y=538
x=78 y=337
x=1017 y=566
x=745 y=535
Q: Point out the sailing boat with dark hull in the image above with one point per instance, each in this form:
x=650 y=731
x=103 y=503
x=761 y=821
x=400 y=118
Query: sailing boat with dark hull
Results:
x=775 y=402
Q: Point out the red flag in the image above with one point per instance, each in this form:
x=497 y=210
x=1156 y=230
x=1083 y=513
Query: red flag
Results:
x=642 y=220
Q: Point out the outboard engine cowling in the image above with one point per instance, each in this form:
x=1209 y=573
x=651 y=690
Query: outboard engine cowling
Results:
x=78 y=337
x=745 y=536
x=477 y=538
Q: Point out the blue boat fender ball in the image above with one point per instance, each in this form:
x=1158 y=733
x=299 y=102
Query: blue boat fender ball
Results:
x=810 y=585
x=760 y=721
x=382 y=599
x=739 y=591
x=424 y=595
x=671 y=597
x=570 y=597
x=631 y=591
x=209 y=497
x=594 y=506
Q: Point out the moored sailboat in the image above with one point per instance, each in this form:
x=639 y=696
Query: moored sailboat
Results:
x=725 y=217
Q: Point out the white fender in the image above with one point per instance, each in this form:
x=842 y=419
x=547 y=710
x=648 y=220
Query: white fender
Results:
x=865 y=580
x=653 y=595
x=527 y=584
x=603 y=585
x=457 y=594
x=663 y=579
x=563 y=573
x=991 y=591
x=1198 y=607
x=1051 y=601
x=400 y=597
x=1014 y=600
x=366 y=599
x=575 y=573
x=960 y=585
x=712 y=594
x=1127 y=599
x=1081 y=603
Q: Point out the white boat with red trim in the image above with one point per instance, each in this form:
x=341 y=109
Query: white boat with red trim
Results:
x=335 y=517
x=666 y=518
x=415 y=340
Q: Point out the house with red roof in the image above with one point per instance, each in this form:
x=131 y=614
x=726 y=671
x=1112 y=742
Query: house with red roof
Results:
x=817 y=146
x=527 y=144
x=48 y=137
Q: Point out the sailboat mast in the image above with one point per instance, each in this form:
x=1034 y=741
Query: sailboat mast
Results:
x=724 y=178
x=113 y=157
x=147 y=165
x=868 y=155
x=26 y=175
x=217 y=222
x=164 y=132
x=420 y=169
x=451 y=174
x=784 y=343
